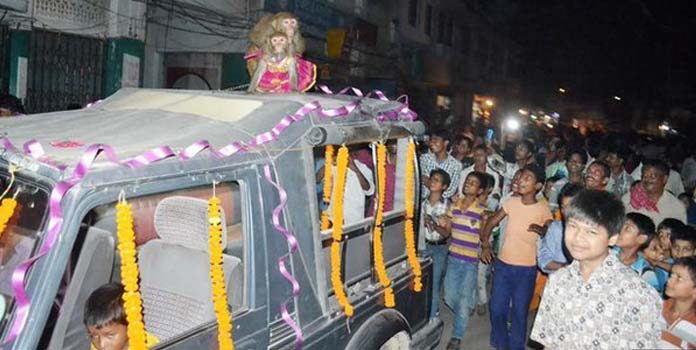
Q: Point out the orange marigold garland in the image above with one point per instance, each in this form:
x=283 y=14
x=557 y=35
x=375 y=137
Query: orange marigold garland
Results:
x=377 y=248
x=337 y=235
x=222 y=312
x=132 y=303
x=410 y=209
x=328 y=174
x=6 y=211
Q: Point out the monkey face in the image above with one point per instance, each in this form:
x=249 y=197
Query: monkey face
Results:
x=279 y=43
x=289 y=26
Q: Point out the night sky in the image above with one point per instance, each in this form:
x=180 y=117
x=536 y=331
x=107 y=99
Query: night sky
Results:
x=641 y=50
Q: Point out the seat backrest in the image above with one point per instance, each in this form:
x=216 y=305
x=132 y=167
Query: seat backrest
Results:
x=174 y=269
x=92 y=270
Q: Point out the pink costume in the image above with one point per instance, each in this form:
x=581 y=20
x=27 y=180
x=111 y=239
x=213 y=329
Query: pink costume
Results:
x=276 y=78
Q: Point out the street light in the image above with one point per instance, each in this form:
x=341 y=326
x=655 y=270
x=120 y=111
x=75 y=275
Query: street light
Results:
x=523 y=111
x=512 y=124
x=617 y=98
x=489 y=103
x=562 y=90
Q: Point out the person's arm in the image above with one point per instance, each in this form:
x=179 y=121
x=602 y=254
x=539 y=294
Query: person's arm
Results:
x=490 y=224
x=364 y=176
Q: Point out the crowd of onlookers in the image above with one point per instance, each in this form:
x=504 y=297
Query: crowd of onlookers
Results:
x=591 y=238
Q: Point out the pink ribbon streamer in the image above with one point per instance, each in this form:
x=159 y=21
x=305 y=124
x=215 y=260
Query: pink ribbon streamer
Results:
x=55 y=222
x=292 y=242
x=401 y=112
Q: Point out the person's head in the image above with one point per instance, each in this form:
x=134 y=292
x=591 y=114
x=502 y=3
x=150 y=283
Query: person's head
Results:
x=653 y=251
x=577 y=158
x=10 y=106
x=439 y=141
x=683 y=242
x=439 y=181
x=531 y=180
x=665 y=230
x=593 y=220
x=490 y=184
x=480 y=155
x=524 y=150
x=462 y=145
x=685 y=198
x=474 y=184
x=682 y=281
x=636 y=232
x=548 y=185
x=654 y=176
x=616 y=157
x=597 y=176
x=566 y=195
x=105 y=318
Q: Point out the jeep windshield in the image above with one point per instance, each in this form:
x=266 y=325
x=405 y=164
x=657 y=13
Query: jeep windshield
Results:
x=19 y=237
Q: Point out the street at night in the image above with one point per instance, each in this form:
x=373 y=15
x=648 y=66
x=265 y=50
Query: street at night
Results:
x=347 y=174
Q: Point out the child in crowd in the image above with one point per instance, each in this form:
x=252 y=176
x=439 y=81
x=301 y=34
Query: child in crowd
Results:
x=552 y=254
x=652 y=271
x=683 y=242
x=635 y=235
x=664 y=231
x=515 y=267
x=464 y=220
x=679 y=310
x=596 y=302
x=434 y=208
x=105 y=319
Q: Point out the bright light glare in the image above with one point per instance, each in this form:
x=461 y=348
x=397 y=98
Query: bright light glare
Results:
x=617 y=98
x=512 y=124
x=549 y=125
x=664 y=127
x=562 y=90
x=523 y=111
x=489 y=103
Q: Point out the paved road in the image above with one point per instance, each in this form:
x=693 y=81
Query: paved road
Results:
x=477 y=332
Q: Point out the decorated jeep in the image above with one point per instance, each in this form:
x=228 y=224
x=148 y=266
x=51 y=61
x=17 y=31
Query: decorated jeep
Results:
x=228 y=217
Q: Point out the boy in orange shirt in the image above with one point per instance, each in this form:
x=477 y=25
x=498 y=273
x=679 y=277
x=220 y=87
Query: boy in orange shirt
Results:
x=515 y=268
x=679 y=311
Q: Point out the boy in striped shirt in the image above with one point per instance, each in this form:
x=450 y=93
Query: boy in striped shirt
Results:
x=464 y=220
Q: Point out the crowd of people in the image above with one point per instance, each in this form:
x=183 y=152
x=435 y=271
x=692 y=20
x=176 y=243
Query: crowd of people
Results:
x=592 y=239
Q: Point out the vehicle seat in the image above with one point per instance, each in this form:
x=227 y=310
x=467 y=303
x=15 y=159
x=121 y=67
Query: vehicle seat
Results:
x=174 y=269
x=93 y=269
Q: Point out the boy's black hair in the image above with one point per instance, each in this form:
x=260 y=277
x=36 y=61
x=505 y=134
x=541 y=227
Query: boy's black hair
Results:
x=459 y=138
x=657 y=164
x=527 y=144
x=645 y=226
x=579 y=151
x=481 y=147
x=597 y=207
x=11 y=103
x=483 y=179
x=568 y=190
x=539 y=172
x=670 y=223
x=446 y=179
x=621 y=152
x=490 y=181
x=105 y=306
x=684 y=233
x=441 y=133
x=684 y=194
x=605 y=167
x=690 y=264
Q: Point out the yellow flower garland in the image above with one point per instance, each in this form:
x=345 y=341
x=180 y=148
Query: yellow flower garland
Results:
x=6 y=211
x=336 y=281
x=222 y=312
x=377 y=248
x=132 y=302
x=328 y=174
x=410 y=209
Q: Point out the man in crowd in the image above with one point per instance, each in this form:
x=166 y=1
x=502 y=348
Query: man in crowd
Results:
x=649 y=197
